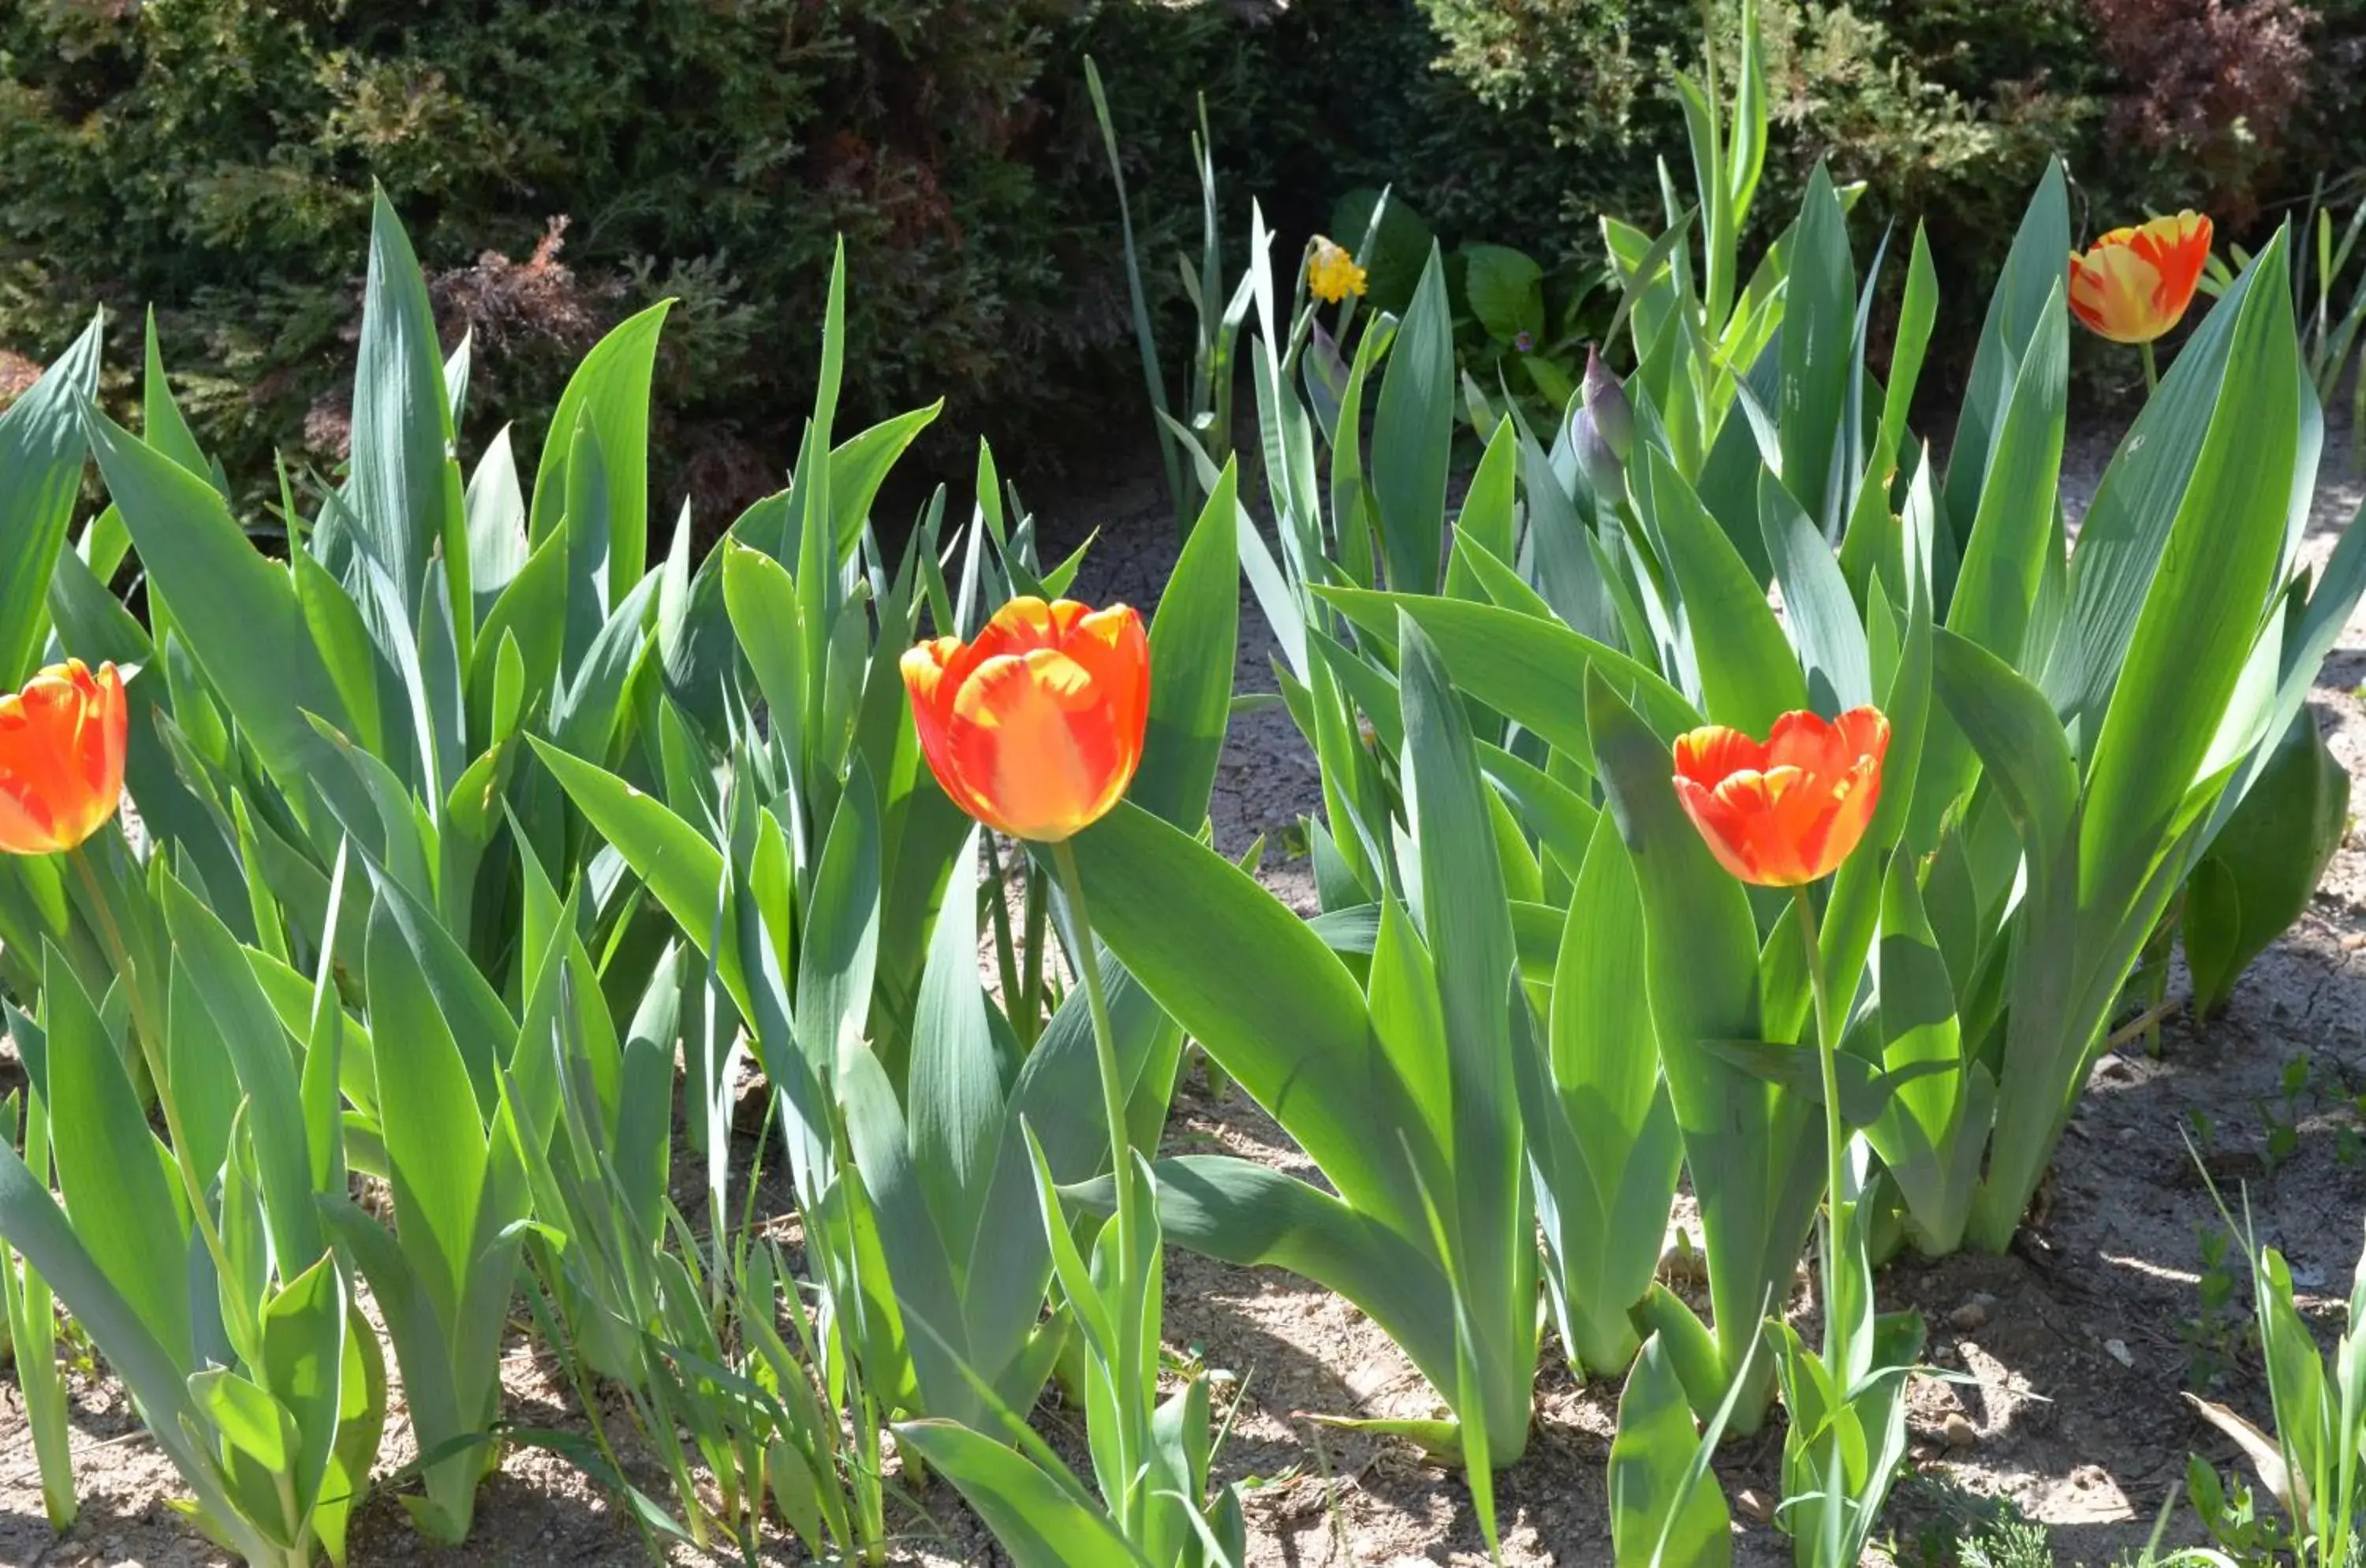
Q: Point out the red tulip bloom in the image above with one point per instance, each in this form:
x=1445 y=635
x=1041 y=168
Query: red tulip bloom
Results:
x=1035 y=727
x=1786 y=811
x=61 y=742
x=2133 y=284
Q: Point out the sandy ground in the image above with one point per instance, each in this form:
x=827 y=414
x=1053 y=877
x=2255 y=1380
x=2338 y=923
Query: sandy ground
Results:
x=2080 y=1341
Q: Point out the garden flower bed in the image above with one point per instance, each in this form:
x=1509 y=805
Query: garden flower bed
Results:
x=2072 y=1438
x=1706 y=1068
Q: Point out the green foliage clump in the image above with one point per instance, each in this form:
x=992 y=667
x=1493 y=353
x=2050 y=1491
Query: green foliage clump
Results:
x=1941 y=109
x=216 y=157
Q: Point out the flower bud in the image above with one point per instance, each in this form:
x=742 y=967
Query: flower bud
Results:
x=1606 y=401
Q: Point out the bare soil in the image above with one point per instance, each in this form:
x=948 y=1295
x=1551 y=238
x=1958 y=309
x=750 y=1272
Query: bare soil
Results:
x=2079 y=1344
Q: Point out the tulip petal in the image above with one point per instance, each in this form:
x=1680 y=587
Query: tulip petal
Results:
x=61 y=745
x=22 y=832
x=1852 y=812
x=1800 y=807
x=1720 y=825
x=1035 y=726
x=1802 y=740
x=36 y=729
x=1018 y=749
x=1864 y=732
x=923 y=668
x=2133 y=284
x=1713 y=751
x=1111 y=646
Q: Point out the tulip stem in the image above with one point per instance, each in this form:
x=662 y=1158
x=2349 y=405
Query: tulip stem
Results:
x=1124 y=1378
x=2152 y=371
x=152 y=1051
x=1004 y=954
x=1835 y=1132
x=1835 y=1206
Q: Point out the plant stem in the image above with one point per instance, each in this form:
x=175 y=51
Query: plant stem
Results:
x=1835 y=1135
x=2152 y=371
x=1039 y=910
x=1006 y=961
x=1835 y=1207
x=152 y=1051
x=2148 y=1019
x=1132 y=1428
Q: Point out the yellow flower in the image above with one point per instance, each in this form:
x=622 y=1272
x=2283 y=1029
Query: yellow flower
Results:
x=1332 y=273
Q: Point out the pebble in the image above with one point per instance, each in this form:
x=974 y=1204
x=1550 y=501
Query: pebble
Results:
x=1683 y=1261
x=1972 y=1315
x=2119 y=1352
x=1958 y=1432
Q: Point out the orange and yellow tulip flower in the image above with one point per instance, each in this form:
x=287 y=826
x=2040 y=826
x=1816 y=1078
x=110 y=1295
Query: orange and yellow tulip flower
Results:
x=2133 y=284
x=1786 y=811
x=61 y=741
x=1035 y=726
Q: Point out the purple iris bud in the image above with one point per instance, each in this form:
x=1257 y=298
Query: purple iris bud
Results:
x=1603 y=470
x=1606 y=401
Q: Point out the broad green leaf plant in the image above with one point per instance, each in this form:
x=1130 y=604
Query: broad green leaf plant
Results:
x=31 y=1327
x=2310 y=1462
x=1415 y=1036
x=256 y=1372
x=352 y=932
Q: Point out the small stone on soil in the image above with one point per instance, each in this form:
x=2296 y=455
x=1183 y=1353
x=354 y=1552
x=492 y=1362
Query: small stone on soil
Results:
x=1958 y=1432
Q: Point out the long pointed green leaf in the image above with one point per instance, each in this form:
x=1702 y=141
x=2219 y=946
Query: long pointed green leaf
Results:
x=258 y=1047
x=41 y=448
x=1752 y=1150
x=1262 y=993
x=2033 y=271
x=1465 y=912
x=1822 y=616
x=108 y=1168
x=1245 y=1213
x=1193 y=643
x=954 y=1090
x=2185 y=655
x=1749 y=674
x=238 y=612
x=34 y=1226
x=609 y=393
x=400 y=491
x=1655 y=1517
x=1039 y=1522
x=428 y=1112
x=2013 y=526
x=1818 y=311
x=1413 y=432
x=1531 y=670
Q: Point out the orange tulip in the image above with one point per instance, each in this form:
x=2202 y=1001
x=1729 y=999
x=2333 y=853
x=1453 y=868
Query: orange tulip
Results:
x=2133 y=284
x=61 y=742
x=1035 y=727
x=1787 y=811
